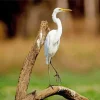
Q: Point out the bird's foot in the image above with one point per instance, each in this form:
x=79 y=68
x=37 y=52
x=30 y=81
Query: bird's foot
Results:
x=58 y=79
x=50 y=86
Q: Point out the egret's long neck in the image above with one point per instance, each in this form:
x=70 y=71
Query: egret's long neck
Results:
x=58 y=22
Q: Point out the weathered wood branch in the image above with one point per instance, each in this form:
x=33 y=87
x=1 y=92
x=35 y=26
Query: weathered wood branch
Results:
x=30 y=61
x=55 y=90
x=21 y=92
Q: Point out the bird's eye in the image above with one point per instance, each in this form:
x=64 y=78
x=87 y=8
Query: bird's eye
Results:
x=59 y=8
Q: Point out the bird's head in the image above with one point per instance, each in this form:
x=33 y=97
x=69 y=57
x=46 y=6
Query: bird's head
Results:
x=56 y=10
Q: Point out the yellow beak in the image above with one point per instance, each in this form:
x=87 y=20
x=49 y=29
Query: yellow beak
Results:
x=66 y=9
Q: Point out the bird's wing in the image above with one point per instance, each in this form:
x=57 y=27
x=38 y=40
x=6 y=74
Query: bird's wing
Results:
x=46 y=49
x=46 y=45
x=50 y=45
x=48 y=41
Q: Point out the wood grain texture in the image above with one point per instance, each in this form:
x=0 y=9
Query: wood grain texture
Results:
x=30 y=61
x=55 y=90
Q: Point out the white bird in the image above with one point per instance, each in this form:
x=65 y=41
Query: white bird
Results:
x=52 y=41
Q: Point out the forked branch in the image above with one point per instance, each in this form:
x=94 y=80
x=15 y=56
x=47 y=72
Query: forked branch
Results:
x=21 y=92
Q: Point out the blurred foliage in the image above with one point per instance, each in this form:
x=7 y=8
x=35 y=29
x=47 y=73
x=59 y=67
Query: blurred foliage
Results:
x=75 y=54
x=22 y=18
x=77 y=58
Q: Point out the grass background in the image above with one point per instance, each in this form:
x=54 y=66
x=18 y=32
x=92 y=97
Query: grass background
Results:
x=77 y=61
x=87 y=85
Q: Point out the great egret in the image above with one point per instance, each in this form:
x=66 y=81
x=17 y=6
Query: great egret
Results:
x=52 y=41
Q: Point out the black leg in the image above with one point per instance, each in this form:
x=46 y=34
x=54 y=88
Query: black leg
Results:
x=58 y=79
x=49 y=77
x=49 y=74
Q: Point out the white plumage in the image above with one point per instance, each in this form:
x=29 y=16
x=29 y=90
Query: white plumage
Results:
x=51 y=45
x=52 y=41
x=53 y=38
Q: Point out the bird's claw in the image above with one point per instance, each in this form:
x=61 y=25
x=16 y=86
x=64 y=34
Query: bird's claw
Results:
x=50 y=86
x=58 y=79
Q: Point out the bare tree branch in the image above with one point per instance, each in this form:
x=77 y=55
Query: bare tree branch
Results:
x=55 y=90
x=30 y=61
x=21 y=92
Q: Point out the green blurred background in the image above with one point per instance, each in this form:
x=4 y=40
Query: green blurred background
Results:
x=78 y=58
